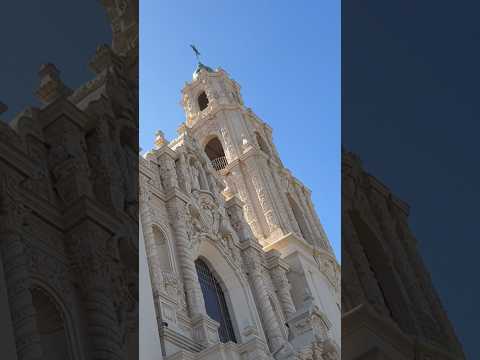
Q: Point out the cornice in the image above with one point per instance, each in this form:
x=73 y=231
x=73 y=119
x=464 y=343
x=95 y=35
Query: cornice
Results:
x=363 y=318
x=214 y=107
x=44 y=210
x=86 y=209
x=60 y=107
x=179 y=340
x=17 y=159
x=291 y=244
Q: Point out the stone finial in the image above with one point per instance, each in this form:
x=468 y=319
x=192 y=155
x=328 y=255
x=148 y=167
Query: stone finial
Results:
x=51 y=85
x=182 y=129
x=3 y=107
x=160 y=139
x=103 y=57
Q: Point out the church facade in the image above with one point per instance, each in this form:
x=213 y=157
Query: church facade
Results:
x=390 y=309
x=240 y=266
x=69 y=210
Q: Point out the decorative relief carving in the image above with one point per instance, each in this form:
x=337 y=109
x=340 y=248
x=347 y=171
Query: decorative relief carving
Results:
x=233 y=224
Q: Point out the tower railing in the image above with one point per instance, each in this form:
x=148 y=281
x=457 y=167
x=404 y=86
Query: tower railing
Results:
x=219 y=163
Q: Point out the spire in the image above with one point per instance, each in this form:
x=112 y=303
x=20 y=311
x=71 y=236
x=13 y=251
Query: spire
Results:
x=200 y=66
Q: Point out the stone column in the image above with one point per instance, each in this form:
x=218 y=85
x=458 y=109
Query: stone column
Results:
x=91 y=254
x=205 y=330
x=17 y=277
x=195 y=302
x=251 y=256
x=278 y=271
x=20 y=299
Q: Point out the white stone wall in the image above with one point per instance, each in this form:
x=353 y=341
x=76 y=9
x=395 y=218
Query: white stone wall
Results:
x=240 y=221
x=149 y=339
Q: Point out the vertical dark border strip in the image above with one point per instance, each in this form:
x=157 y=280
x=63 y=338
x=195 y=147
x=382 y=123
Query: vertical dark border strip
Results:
x=409 y=187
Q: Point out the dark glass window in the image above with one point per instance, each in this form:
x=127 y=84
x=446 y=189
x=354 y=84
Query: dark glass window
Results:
x=215 y=301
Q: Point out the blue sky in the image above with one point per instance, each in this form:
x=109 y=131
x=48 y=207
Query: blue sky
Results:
x=285 y=58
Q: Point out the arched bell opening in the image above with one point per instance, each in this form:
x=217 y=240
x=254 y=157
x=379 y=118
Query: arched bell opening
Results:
x=202 y=101
x=216 y=154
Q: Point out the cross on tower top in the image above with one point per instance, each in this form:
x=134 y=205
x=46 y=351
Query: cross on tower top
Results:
x=197 y=53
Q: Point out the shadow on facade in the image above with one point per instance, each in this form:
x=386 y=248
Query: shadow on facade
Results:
x=390 y=309
x=69 y=210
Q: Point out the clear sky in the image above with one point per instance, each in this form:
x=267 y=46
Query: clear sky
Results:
x=286 y=58
x=410 y=111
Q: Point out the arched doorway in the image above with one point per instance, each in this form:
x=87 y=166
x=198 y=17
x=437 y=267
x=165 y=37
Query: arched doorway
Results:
x=215 y=301
x=215 y=153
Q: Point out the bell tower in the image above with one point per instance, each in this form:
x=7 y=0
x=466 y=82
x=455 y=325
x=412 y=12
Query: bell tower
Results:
x=240 y=148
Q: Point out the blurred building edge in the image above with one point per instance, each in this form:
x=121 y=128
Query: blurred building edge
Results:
x=241 y=267
x=390 y=309
x=69 y=208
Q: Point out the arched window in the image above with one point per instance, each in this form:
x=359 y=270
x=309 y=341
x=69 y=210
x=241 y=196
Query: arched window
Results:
x=50 y=326
x=215 y=153
x=299 y=217
x=202 y=101
x=262 y=144
x=384 y=273
x=215 y=301
x=160 y=249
